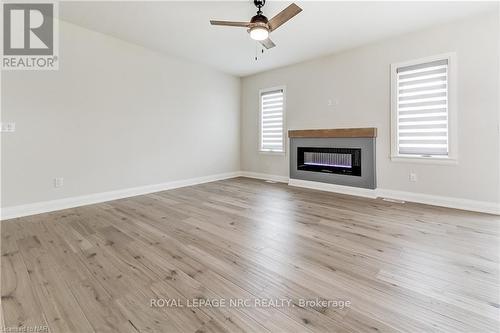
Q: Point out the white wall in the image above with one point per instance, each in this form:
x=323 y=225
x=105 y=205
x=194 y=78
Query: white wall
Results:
x=360 y=80
x=114 y=116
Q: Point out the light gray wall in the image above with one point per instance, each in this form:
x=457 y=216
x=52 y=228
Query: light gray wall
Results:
x=114 y=116
x=360 y=80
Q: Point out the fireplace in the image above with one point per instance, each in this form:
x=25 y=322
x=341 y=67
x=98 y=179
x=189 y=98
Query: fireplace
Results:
x=344 y=161
x=340 y=156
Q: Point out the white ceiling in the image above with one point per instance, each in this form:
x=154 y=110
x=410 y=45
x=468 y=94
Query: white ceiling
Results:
x=182 y=28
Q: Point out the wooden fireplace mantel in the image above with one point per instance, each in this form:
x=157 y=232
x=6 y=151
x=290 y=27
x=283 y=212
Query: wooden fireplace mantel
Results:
x=367 y=132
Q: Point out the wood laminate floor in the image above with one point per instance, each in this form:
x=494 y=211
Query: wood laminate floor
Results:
x=402 y=267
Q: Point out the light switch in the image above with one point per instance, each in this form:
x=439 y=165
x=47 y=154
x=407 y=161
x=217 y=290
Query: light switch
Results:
x=58 y=182
x=8 y=127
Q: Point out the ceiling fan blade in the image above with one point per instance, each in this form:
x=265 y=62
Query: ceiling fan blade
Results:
x=267 y=43
x=284 y=16
x=230 y=23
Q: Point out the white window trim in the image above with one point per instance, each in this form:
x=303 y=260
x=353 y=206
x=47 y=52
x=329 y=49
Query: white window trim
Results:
x=452 y=157
x=285 y=141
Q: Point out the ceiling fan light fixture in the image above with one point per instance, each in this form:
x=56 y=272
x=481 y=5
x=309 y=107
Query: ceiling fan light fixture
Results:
x=259 y=33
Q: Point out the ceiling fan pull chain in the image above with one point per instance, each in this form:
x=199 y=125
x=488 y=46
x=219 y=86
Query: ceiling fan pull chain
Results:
x=257 y=53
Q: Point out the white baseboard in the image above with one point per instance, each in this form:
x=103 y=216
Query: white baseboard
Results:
x=264 y=176
x=428 y=199
x=59 y=204
x=54 y=205
x=442 y=201
x=357 y=191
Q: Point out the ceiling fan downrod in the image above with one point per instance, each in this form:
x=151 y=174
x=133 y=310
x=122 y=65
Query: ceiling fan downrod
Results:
x=259 y=4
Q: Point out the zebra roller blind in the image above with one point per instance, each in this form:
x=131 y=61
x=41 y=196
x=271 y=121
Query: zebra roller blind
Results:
x=271 y=122
x=422 y=109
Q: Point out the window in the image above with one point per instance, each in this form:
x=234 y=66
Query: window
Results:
x=421 y=108
x=272 y=110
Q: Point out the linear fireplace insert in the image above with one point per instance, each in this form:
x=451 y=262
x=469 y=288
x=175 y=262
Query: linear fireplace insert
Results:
x=346 y=161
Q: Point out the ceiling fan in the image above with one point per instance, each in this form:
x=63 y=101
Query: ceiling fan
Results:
x=259 y=26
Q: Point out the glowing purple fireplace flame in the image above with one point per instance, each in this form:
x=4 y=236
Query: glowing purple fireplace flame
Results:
x=328 y=159
x=330 y=165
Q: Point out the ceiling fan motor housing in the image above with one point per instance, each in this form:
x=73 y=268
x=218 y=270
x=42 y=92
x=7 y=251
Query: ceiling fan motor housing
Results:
x=259 y=19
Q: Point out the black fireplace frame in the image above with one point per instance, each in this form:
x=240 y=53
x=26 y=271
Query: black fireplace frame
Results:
x=354 y=170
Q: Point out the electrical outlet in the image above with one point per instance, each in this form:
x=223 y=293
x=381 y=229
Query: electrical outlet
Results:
x=58 y=182
x=8 y=127
x=333 y=102
x=413 y=177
